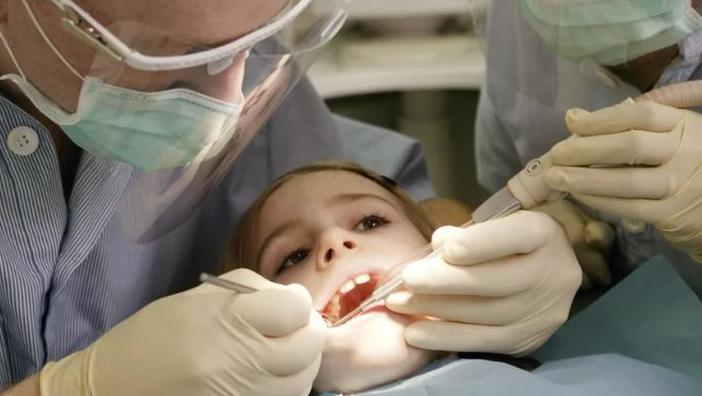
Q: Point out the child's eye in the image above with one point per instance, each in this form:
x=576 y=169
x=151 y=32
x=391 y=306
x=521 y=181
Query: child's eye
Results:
x=371 y=222
x=293 y=258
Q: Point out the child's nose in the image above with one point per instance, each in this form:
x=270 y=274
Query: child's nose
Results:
x=336 y=245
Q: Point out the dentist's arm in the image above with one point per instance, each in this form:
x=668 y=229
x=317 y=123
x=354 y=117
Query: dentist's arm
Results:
x=28 y=387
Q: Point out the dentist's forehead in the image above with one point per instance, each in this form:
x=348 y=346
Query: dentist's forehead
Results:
x=192 y=21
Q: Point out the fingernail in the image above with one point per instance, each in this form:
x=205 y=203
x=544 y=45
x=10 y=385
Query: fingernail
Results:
x=575 y=113
x=555 y=178
x=414 y=336
x=572 y=118
x=409 y=273
x=398 y=299
x=559 y=151
x=440 y=235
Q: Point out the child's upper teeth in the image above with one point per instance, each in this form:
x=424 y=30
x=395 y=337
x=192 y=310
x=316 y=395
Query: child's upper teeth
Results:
x=347 y=287
x=361 y=279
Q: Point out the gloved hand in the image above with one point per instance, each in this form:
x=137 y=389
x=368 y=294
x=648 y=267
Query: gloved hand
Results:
x=638 y=161
x=591 y=240
x=503 y=286
x=205 y=341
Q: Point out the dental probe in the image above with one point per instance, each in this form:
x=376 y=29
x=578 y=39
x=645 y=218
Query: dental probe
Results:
x=227 y=284
x=241 y=288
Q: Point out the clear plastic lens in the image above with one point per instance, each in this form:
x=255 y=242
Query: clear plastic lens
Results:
x=254 y=79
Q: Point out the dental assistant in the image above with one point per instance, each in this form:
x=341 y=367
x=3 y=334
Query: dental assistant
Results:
x=562 y=68
x=134 y=133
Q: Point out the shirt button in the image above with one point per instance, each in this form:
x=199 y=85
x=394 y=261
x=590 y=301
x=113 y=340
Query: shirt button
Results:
x=22 y=141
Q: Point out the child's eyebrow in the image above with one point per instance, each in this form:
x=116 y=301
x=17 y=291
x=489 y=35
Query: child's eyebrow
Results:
x=334 y=200
x=280 y=230
x=348 y=198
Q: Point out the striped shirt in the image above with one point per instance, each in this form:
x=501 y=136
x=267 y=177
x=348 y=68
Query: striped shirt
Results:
x=69 y=268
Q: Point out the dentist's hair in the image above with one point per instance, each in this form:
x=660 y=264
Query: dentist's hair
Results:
x=241 y=252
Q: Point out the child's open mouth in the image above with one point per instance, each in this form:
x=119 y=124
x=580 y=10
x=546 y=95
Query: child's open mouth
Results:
x=350 y=295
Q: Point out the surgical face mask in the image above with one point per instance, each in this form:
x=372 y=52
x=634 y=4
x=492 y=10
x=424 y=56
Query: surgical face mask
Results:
x=150 y=130
x=610 y=32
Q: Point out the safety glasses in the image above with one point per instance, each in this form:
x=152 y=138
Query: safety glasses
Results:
x=145 y=48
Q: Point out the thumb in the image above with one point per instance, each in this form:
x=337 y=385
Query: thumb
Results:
x=599 y=235
x=441 y=234
x=275 y=312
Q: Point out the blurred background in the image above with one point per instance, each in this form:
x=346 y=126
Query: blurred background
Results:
x=413 y=66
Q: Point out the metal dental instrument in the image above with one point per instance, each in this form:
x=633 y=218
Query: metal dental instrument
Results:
x=240 y=288
x=525 y=190
x=227 y=284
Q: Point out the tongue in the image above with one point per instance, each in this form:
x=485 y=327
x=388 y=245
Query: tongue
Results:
x=355 y=297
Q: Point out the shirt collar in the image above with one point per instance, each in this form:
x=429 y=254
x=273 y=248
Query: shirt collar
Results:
x=686 y=63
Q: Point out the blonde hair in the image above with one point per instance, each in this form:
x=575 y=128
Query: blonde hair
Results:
x=241 y=253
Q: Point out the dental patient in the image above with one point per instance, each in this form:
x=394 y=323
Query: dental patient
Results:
x=336 y=229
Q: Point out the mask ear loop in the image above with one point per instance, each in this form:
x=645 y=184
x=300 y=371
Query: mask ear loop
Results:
x=12 y=55
x=48 y=42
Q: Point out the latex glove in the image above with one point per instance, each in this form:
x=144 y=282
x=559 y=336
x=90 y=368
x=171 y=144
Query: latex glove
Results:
x=205 y=341
x=502 y=286
x=638 y=161
x=591 y=240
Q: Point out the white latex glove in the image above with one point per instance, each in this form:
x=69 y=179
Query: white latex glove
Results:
x=591 y=240
x=205 y=341
x=503 y=286
x=638 y=161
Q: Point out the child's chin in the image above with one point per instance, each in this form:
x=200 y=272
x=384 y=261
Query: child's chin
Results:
x=369 y=350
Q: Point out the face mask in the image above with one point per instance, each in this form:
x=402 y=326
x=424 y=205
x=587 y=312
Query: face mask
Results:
x=150 y=130
x=610 y=32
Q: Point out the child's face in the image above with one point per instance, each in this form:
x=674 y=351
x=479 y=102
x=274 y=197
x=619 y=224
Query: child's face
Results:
x=336 y=233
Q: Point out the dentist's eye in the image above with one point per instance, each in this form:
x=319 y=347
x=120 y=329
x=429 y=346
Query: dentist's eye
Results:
x=180 y=84
x=371 y=222
x=293 y=258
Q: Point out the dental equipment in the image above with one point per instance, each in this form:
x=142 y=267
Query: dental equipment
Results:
x=227 y=284
x=526 y=190
x=241 y=288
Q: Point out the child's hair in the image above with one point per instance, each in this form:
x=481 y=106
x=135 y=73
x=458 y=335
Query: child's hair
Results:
x=241 y=254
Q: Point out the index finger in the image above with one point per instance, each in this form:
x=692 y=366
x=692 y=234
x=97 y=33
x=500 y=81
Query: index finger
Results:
x=625 y=116
x=520 y=233
x=499 y=278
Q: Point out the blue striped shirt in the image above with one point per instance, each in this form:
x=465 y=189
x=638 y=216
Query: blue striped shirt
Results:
x=69 y=271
